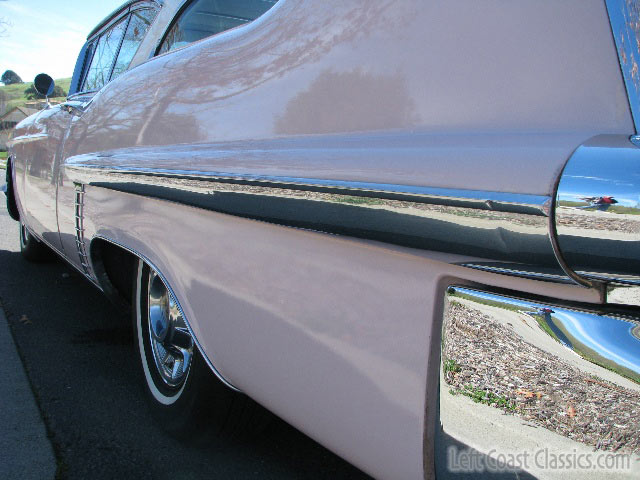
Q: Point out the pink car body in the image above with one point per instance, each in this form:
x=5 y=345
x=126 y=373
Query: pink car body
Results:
x=276 y=176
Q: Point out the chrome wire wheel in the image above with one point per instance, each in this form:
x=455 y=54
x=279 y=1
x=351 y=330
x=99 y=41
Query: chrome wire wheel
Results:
x=171 y=343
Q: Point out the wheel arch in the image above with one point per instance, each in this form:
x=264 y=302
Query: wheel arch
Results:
x=115 y=266
x=12 y=206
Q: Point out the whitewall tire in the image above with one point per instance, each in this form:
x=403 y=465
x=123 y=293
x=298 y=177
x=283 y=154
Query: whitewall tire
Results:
x=184 y=394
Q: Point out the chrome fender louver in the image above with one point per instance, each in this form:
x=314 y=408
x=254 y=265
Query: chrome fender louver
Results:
x=79 y=225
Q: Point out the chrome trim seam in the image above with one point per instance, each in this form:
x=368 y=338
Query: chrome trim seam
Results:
x=168 y=285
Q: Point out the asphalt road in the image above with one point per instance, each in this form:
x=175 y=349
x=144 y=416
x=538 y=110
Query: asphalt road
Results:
x=80 y=359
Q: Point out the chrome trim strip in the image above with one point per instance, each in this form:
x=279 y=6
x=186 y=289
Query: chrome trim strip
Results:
x=520 y=377
x=168 y=285
x=496 y=201
x=417 y=217
x=520 y=271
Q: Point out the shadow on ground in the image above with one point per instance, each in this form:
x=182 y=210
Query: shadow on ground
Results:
x=79 y=354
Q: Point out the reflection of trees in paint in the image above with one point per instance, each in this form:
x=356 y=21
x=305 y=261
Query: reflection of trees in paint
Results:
x=348 y=102
x=635 y=331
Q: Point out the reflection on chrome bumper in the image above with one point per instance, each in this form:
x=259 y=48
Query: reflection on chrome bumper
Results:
x=525 y=383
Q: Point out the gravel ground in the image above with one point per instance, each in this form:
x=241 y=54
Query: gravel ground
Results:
x=486 y=360
x=592 y=220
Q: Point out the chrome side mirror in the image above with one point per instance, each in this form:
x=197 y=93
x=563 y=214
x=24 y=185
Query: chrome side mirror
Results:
x=44 y=84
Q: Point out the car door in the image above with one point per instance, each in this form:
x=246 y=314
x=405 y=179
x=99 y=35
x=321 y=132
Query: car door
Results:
x=106 y=55
x=39 y=201
x=49 y=133
x=112 y=54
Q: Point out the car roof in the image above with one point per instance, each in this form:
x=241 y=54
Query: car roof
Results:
x=119 y=10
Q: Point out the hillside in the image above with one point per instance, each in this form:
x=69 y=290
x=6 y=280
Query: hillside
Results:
x=15 y=94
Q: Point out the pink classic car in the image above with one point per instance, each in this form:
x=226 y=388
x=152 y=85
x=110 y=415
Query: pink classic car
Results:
x=409 y=228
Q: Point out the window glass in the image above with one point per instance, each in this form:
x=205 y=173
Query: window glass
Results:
x=105 y=53
x=138 y=26
x=204 y=18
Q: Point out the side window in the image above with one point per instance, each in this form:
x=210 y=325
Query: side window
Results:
x=99 y=71
x=138 y=26
x=203 y=18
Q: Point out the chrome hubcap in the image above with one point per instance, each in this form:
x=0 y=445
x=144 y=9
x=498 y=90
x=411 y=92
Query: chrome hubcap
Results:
x=171 y=342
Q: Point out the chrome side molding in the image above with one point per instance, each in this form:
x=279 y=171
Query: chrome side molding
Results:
x=587 y=232
x=535 y=205
x=524 y=383
x=481 y=227
x=597 y=211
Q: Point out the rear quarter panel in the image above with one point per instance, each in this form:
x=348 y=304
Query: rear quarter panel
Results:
x=340 y=336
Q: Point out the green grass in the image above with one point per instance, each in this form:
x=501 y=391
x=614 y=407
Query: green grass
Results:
x=452 y=366
x=15 y=93
x=620 y=209
x=542 y=323
x=478 y=395
x=491 y=303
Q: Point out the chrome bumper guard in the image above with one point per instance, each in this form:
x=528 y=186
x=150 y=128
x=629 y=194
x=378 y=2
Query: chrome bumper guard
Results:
x=533 y=390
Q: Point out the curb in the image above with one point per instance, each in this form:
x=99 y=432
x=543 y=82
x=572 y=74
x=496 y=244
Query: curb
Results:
x=26 y=452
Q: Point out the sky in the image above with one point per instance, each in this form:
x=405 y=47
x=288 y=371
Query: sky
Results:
x=45 y=36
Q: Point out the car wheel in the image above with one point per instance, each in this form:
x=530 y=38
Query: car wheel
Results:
x=185 y=396
x=31 y=248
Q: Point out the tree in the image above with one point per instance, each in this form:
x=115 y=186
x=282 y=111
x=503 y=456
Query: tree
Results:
x=31 y=93
x=4 y=24
x=10 y=77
